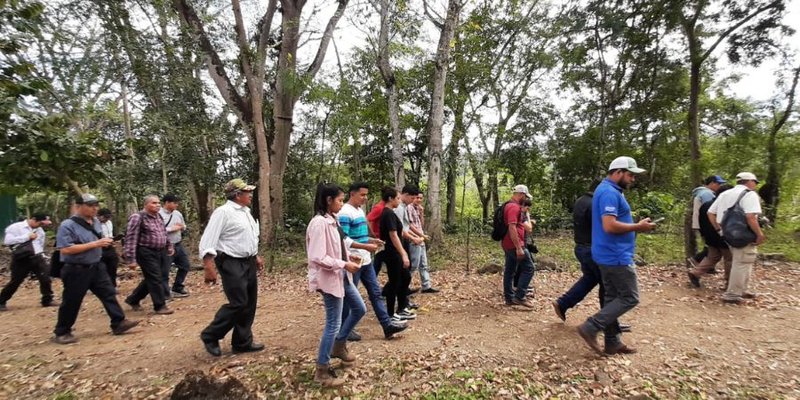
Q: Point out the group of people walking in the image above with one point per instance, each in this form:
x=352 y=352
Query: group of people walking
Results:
x=346 y=246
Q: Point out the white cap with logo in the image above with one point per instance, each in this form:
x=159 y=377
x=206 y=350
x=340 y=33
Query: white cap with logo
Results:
x=746 y=176
x=626 y=163
x=523 y=189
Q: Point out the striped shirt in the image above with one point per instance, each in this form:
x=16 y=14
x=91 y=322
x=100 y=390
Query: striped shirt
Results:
x=354 y=225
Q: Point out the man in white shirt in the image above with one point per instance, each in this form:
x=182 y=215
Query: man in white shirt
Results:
x=110 y=257
x=176 y=225
x=21 y=234
x=743 y=257
x=230 y=245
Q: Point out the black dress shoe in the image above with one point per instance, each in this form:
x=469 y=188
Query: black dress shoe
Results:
x=249 y=348
x=392 y=328
x=212 y=347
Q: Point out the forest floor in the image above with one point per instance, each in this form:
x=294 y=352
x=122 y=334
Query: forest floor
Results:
x=465 y=343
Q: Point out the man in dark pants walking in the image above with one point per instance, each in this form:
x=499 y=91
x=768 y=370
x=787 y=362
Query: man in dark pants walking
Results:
x=230 y=245
x=613 y=246
x=80 y=242
x=28 y=233
x=110 y=257
x=175 y=224
x=147 y=247
x=582 y=231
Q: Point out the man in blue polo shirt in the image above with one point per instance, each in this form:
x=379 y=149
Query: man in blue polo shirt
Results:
x=613 y=245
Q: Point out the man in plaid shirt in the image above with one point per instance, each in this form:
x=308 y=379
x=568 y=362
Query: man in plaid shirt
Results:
x=417 y=252
x=147 y=247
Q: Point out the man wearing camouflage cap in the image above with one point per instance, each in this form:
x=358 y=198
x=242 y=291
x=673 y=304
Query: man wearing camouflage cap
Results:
x=230 y=245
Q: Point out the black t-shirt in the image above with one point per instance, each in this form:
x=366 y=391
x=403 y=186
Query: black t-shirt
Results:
x=390 y=222
x=582 y=220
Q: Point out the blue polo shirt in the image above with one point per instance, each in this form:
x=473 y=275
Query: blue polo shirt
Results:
x=607 y=248
x=70 y=233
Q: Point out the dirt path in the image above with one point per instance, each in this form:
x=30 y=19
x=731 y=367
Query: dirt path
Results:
x=465 y=344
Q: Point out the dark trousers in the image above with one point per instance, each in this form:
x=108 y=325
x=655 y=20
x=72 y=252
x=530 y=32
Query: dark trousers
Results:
x=396 y=289
x=111 y=260
x=377 y=263
x=591 y=277
x=77 y=280
x=525 y=266
x=20 y=270
x=181 y=260
x=621 y=295
x=152 y=262
x=240 y=283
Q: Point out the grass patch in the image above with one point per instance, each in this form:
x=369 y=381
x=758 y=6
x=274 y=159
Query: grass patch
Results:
x=67 y=395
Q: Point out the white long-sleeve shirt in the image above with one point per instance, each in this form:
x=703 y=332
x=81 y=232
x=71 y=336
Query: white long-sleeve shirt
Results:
x=20 y=232
x=231 y=230
x=107 y=228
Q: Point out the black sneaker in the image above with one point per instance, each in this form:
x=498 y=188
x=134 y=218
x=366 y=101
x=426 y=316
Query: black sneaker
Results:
x=399 y=321
x=412 y=306
x=64 y=339
x=430 y=290
x=3 y=307
x=695 y=281
x=353 y=336
x=179 y=293
x=405 y=315
x=393 y=328
x=134 y=306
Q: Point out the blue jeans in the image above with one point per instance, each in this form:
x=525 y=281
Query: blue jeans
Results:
x=591 y=277
x=335 y=329
x=418 y=256
x=367 y=275
x=525 y=266
x=621 y=295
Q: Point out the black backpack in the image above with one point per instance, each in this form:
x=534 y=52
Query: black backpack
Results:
x=499 y=226
x=736 y=231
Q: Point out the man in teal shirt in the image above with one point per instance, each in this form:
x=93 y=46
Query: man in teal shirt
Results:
x=613 y=245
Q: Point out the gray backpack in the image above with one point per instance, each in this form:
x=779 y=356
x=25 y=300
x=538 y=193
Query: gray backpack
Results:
x=736 y=231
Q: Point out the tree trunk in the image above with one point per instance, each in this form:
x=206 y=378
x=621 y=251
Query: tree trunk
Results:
x=436 y=120
x=452 y=159
x=390 y=83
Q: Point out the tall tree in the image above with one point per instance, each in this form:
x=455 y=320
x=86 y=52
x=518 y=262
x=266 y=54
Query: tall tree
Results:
x=249 y=105
x=436 y=118
x=289 y=86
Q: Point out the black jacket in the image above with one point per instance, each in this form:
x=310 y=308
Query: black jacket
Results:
x=707 y=231
x=582 y=220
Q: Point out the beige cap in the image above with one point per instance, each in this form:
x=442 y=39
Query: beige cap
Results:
x=238 y=184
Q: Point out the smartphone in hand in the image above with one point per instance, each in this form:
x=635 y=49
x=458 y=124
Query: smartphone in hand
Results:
x=658 y=220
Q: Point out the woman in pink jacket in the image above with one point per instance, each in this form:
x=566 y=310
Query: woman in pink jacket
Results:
x=330 y=269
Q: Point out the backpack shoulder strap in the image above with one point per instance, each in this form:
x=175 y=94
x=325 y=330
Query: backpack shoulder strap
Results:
x=84 y=225
x=741 y=196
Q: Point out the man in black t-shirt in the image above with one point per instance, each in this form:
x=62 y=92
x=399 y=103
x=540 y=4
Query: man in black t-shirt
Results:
x=396 y=258
x=717 y=248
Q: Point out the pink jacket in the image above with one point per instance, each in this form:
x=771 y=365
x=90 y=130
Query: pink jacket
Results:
x=325 y=263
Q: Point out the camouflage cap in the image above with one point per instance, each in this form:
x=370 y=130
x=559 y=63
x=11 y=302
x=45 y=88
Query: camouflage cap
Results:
x=238 y=184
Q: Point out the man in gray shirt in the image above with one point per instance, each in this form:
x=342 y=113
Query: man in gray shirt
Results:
x=80 y=241
x=176 y=225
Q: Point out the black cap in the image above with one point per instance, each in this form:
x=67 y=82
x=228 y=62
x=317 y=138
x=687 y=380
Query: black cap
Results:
x=104 y=212
x=88 y=199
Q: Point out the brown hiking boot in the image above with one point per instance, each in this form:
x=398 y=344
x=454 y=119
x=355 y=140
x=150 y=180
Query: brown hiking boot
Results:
x=621 y=348
x=326 y=377
x=522 y=302
x=591 y=339
x=124 y=326
x=340 y=351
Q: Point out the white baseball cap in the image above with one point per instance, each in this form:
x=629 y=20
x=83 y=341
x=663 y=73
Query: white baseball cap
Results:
x=626 y=163
x=523 y=189
x=746 y=176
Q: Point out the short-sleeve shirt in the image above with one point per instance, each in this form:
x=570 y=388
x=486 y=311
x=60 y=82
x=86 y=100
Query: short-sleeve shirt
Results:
x=354 y=225
x=402 y=214
x=70 y=233
x=390 y=222
x=374 y=217
x=512 y=214
x=700 y=196
x=750 y=203
x=611 y=249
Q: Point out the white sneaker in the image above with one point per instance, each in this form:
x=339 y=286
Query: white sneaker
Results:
x=403 y=315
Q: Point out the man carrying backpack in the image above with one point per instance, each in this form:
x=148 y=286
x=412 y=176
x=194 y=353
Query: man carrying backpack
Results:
x=742 y=232
x=513 y=244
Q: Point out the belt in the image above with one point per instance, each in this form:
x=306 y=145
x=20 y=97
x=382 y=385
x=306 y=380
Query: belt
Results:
x=82 y=265
x=248 y=258
x=153 y=248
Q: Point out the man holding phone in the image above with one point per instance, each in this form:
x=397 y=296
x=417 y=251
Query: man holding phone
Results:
x=613 y=246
